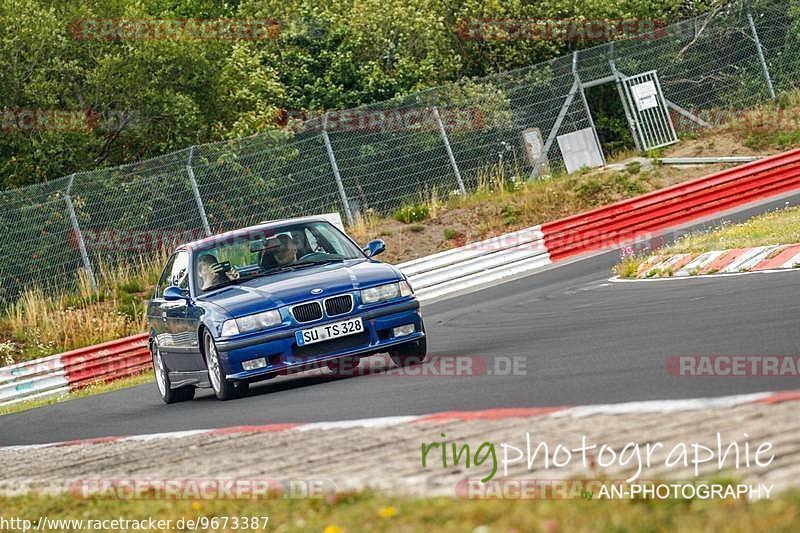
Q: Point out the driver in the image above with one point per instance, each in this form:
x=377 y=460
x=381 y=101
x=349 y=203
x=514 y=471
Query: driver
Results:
x=211 y=271
x=283 y=249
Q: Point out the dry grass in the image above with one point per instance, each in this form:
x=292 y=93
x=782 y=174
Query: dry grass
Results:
x=364 y=225
x=42 y=322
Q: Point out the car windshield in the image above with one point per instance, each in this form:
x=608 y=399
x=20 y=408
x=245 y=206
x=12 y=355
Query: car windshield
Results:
x=238 y=257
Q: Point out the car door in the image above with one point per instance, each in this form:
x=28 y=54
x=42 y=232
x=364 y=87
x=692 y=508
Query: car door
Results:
x=174 y=316
x=156 y=320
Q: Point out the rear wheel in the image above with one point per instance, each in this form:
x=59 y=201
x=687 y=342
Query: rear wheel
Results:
x=165 y=390
x=225 y=389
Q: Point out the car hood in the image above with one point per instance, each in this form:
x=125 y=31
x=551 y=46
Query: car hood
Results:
x=288 y=288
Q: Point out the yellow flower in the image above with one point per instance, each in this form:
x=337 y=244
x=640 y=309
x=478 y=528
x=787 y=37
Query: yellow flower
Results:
x=387 y=512
x=332 y=529
x=197 y=506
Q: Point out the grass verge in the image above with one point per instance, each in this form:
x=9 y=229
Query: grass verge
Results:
x=124 y=383
x=372 y=512
x=775 y=227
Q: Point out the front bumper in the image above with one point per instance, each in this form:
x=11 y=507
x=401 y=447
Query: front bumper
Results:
x=282 y=354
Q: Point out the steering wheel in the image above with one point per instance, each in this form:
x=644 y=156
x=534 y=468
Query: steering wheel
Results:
x=306 y=255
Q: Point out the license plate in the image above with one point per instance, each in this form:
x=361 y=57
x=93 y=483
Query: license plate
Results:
x=329 y=331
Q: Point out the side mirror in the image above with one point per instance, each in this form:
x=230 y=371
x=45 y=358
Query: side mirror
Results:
x=375 y=247
x=174 y=293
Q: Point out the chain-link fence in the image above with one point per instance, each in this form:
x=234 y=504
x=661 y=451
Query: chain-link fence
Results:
x=382 y=156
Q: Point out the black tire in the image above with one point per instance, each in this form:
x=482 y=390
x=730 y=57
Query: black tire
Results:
x=163 y=384
x=410 y=353
x=224 y=389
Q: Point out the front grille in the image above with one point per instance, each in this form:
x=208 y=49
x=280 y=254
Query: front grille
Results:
x=339 y=305
x=331 y=346
x=307 y=312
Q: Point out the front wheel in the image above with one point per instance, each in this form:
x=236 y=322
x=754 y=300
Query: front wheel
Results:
x=224 y=389
x=165 y=390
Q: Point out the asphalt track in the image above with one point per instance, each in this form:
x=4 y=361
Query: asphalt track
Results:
x=582 y=339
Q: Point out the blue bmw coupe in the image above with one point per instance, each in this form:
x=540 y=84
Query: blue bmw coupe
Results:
x=273 y=299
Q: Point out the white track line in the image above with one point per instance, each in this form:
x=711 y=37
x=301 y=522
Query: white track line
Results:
x=699 y=262
x=655 y=406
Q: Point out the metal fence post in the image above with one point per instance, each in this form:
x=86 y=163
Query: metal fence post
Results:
x=577 y=78
x=196 y=191
x=622 y=97
x=562 y=113
x=760 y=51
x=449 y=151
x=335 y=167
x=87 y=265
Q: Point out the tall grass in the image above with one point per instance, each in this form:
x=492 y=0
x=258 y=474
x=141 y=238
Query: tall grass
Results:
x=363 y=227
x=43 y=322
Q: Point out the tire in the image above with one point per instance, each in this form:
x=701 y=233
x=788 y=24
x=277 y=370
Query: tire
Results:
x=224 y=389
x=163 y=385
x=410 y=353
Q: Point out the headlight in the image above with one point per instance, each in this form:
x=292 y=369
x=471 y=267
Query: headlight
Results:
x=385 y=292
x=405 y=289
x=229 y=328
x=249 y=323
x=258 y=321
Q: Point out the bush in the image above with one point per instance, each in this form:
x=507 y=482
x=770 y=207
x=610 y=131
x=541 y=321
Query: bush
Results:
x=634 y=167
x=628 y=265
x=511 y=214
x=450 y=234
x=412 y=213
x=590 y=189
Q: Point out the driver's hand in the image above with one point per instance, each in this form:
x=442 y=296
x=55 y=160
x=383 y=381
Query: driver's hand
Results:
x=216 y=268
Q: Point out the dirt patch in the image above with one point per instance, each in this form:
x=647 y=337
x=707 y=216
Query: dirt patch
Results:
x=718 y=144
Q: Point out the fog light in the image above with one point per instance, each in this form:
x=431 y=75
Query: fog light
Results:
x=254 y=364
x=402 y=331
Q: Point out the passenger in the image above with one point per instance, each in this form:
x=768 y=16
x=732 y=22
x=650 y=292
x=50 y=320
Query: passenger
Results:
x=279 y=251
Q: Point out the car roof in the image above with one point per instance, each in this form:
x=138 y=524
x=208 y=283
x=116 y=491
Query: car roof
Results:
x=244 y=231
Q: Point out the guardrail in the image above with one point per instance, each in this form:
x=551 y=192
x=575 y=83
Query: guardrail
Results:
x=59 y=374
x=625 y=221
x=475 y=264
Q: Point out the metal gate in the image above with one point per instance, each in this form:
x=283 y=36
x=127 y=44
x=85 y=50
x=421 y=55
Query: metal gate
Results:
x=648 y=110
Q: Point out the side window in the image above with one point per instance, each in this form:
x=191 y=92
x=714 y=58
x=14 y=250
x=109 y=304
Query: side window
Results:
x=163 y=281
x=179 y=276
